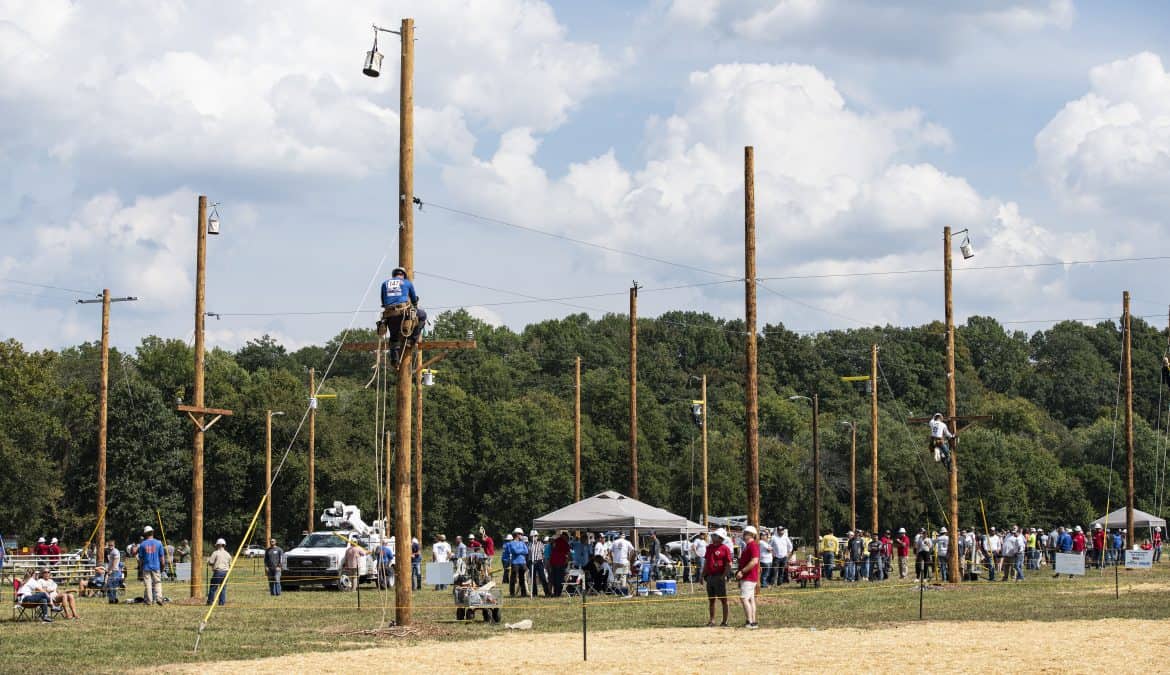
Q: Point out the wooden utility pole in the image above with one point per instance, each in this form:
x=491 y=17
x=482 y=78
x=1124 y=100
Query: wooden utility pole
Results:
x=816 y=406
x=197 y=394
x=388 y=450
x=268 y=474
x=404 y=604
x=873 y=426
x=952 y=404
x=634 y=390
x=752 y=431
x=312 y=450
x=103 y=408
x=577 y=433
x=1127 y=367
x=418 y=433
x=853 y=477
x=706 y=505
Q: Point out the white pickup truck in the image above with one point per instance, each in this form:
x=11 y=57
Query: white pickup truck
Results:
x=317 y=559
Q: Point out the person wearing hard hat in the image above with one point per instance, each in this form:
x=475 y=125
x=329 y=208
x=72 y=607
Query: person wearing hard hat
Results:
x=402 y=318
x=219 y=561
x=748 y=576
x=716 y=566
x=151 y=556
x=517 y=554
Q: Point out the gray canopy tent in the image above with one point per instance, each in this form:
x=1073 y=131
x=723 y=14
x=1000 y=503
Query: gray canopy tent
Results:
x=612 y=510
x=1140 y=519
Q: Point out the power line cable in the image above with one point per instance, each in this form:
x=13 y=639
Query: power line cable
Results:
x=582 y=242
x=48 y=286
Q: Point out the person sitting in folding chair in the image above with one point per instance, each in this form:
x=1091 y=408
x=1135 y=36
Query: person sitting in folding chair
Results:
x=940 y=435
x=402 y=319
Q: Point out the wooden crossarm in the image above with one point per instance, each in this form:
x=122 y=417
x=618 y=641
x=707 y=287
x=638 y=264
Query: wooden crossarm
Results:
x=426 y=345
x=204 y=411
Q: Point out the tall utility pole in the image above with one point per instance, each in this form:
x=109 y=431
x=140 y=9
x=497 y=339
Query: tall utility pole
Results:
x=577 y=433
x=197 y=394
x=1127 y=367
x=418 y=432
x=706 y=511
x=103 y=407
x=952 y=402
x=268 y=415
x=873 y=426
x=852 y=476
x=816 y=405
x=312 y=450
x=403 y=601
x=752 y=431
x=634 y=390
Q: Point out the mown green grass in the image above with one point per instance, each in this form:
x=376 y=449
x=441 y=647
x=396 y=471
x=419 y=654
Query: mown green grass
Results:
x=254 y=625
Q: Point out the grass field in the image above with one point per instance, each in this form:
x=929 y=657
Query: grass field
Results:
x=254 y=625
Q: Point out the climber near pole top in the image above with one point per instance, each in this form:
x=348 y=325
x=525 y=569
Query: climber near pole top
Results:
x=402 y=319
x=940 y=434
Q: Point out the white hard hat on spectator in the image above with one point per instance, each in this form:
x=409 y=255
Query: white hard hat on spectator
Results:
x=220 y=542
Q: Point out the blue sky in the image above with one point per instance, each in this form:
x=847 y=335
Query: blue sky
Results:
x=1039 y=125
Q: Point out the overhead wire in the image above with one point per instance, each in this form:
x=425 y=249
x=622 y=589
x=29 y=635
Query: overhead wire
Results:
x=46 y=286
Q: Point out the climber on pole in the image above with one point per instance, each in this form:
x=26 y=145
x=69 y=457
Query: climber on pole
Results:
x=940 y=434
x=402 y=319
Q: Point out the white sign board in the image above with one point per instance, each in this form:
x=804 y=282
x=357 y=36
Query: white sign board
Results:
x=1139 y=560
x=1070 y=563
x=183 y=571
x=440 y=574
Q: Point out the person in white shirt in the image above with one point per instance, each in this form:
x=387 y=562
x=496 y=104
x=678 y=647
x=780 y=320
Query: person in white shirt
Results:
x=621 y=551
x=940 y=435
x=766 y=558
x=66 y=600
x=781 y=551
x=599 y=545
x=31 y=591
x=923 y=547
x=440 y=553
x=942 y=547
x=699 y=551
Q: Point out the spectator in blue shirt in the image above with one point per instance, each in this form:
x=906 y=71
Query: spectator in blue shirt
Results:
x=516 y=552
x=385 y=565
x=151 y=557
x=415 y=565
x=581 y=552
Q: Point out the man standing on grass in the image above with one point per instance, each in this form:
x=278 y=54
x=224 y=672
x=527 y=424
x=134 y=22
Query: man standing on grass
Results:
x=150 y=561
x=716 y=564
x=622 y=551
x=942 y=546
x=219 y=561
x=749 y=576
x=828 y=546
x=517 y=554
x=902 y=548
x=273 y=557
x=440 y=553
x=558 y=561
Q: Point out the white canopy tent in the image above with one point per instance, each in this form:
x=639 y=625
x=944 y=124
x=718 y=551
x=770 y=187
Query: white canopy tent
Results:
x=612 y=510
x=1140 y=519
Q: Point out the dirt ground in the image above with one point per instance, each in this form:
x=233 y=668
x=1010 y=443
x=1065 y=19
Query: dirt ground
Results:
x=1038 y=647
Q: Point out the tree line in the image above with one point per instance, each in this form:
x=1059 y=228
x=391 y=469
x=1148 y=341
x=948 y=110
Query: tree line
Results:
x=498 y=425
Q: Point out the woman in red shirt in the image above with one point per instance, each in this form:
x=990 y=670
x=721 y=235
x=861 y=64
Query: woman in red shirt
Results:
x=749 y=576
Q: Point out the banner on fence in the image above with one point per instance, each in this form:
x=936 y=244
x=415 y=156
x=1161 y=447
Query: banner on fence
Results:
x=1070 y=563
x=1139 y=560
x=183 y=571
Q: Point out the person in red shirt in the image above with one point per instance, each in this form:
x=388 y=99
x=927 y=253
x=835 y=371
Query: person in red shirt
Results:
x=558 y=562
x=489 y=547
x=1157 y=543
x=1078 y=540
x=749 y=576
x=902 y=546
x=716 y=564
x=1098 y=546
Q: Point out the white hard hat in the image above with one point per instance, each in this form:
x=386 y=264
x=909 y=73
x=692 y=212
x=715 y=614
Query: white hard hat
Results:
x=901 y=530
x=147 y=530
x=220 y=542
x=721 y=533
x=507 y=537
x=518 y=530
x=54 y=541
x=750 y=530
x=40 y=540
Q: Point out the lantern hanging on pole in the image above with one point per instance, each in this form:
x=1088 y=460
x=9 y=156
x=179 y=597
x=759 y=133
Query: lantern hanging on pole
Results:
x=213 y=220
x=966 y=248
